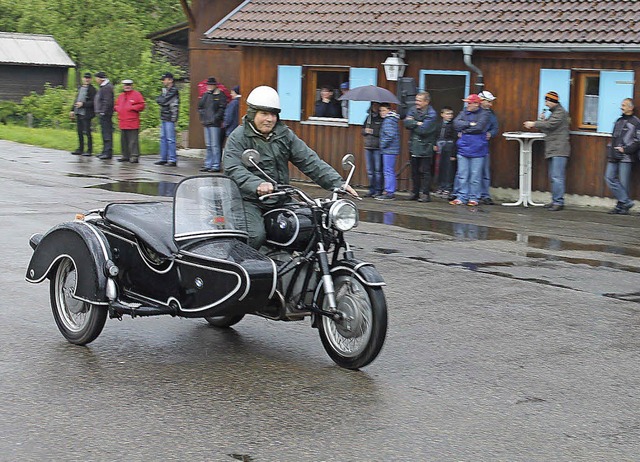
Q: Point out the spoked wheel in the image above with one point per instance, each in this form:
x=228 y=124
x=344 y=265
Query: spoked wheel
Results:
x=356 y=339
x=224 y=321
x=80 y=322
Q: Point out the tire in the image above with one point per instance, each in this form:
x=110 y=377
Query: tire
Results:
x=79 y=322
x=224 y=321
x=356 y=344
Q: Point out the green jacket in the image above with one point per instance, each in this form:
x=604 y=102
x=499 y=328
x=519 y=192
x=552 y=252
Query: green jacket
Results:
x=423 y=136
x=281 y=147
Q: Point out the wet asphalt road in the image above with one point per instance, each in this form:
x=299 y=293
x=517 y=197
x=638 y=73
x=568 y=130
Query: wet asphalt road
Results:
x=514 y=335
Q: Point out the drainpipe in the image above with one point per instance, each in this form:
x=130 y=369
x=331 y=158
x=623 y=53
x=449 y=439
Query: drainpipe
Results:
x=468 y=51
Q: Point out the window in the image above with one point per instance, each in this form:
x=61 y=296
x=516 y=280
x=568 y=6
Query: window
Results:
x=591 y=96
x=299 y=88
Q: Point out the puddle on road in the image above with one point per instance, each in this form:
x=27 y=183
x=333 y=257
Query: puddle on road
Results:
x=459 y=231
x=148 y=188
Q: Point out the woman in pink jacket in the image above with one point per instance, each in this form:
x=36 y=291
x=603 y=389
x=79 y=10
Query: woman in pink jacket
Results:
x=129 y=105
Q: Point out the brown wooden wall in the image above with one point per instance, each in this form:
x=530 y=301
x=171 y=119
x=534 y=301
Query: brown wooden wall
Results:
x=512 y=76
x=16 y=82
x=220 y=61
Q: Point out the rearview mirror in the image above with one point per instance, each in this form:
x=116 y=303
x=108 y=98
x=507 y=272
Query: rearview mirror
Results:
x=250 y=158
x=348 y=161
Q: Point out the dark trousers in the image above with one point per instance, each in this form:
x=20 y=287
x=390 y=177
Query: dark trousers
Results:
x=447 y=172
x=129 y=143
x=83 y=125
x=421 y=174
x=106 y=128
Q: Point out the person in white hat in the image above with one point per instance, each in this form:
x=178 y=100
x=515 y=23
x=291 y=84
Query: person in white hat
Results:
x=263 y=130
x=492 y=131
x=129 y=105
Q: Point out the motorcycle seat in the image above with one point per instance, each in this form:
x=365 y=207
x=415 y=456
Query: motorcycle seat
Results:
x=151 y=222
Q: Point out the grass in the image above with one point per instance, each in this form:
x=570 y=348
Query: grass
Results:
x=67 y=140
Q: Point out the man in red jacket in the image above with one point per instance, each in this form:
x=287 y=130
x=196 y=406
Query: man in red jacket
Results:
x=129 y=105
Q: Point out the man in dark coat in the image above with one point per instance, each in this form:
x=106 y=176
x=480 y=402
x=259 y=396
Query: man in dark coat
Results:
x=422 y=121
x=82 y=112
x=622 y=151
x=103 y=106
x=211 y=106
x=169 y=102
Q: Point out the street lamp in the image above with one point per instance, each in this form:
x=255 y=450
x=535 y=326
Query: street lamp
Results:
x=394 y=67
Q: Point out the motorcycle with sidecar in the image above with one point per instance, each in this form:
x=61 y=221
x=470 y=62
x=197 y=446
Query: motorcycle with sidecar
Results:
x=190 y=258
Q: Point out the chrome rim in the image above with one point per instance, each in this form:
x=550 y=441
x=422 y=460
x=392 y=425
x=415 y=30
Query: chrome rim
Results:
x=349 y=337
x=73 y=313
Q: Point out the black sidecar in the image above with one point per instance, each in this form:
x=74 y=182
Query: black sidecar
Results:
x=188 y=259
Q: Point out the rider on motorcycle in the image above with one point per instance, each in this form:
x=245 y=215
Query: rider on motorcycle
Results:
x=263 y=130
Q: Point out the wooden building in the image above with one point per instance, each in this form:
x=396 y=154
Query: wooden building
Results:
x=28 y=62
x=518 y=49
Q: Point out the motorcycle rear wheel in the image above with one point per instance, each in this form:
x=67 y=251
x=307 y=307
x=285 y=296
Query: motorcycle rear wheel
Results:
x=356 y=340
x=79 y=322
x=224 y=321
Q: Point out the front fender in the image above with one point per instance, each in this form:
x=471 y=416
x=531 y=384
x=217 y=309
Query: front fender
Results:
x=366 y=272
x=83 y=243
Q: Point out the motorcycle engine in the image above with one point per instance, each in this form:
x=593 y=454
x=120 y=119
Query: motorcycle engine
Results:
x=293 y=280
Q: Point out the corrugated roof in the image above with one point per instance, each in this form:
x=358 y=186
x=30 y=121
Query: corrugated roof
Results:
x=433 y=23
x=31 y=49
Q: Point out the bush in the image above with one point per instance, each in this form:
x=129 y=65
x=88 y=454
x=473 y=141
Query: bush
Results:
x=51 y=108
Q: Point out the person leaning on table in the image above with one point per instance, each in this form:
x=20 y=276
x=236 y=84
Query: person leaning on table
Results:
x=556 y=146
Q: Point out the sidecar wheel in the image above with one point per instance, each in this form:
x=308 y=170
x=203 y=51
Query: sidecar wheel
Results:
x=80 y=322
x=356 y=340
x=224 y=321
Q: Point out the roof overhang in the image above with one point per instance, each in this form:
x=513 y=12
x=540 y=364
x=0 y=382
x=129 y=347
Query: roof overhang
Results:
x=533 y=47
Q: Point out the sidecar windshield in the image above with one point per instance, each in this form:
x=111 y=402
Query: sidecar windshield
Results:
x=206 y=205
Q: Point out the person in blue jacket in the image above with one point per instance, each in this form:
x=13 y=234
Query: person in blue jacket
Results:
x=473 y=146
x=390 y=149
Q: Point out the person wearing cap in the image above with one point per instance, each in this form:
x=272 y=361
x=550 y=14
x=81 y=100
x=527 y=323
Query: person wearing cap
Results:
x=82 y=112
x=492 y=131
x=556 y=146
x=422 y=122
x=103 y=106
x=473 y=146
x=262 y=129
x=327 y=105
x=622 y=151
x=169 y=102
x=129 y=105
x=231 y=113
x=211 y=106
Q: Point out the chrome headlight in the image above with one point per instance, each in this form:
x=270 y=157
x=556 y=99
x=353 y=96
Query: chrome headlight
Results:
x=343 y=215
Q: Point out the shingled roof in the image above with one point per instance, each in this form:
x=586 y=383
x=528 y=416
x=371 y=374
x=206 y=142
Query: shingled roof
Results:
x=604 y=25
x=33 y=50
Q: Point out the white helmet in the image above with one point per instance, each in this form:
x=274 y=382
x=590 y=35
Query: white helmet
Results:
x=264 y=98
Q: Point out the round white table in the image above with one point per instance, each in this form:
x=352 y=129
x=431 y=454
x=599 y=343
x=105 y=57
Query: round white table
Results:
x=526 y=140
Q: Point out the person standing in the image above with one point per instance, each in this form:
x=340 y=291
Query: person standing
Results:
x=129 y=105
x=103 y=106
x=211 y=107
x=169 y=102
x=471 y=124
x=389 y=149
x=446 y=150
x=231 y=113
x=82 y=112
x=556 y=146
x=422 y=122
x=492 y=131
x=372 y=156
x=621 y=154
x=263 y=130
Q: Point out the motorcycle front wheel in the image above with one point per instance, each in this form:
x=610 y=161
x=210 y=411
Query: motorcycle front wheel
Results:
x=224 y=321
x=78 y=321
x=356 y=339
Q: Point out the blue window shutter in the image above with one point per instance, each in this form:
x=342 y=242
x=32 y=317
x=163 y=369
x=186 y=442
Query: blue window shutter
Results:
x=359 y=77
x=558 y=80
x=614 y=87
x=290 y=91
